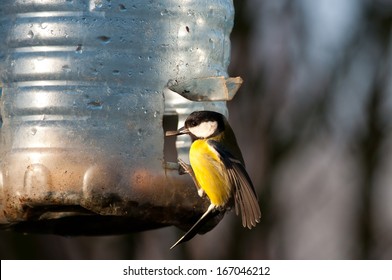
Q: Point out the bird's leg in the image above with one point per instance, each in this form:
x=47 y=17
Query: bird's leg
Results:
x=185 y=168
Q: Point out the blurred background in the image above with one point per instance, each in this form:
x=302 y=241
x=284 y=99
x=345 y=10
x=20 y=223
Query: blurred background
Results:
x=313 y=118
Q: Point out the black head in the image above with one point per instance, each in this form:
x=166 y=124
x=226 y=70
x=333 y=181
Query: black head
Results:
x=204 y=124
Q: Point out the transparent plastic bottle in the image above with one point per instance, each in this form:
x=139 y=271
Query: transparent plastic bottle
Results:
x=83 y=104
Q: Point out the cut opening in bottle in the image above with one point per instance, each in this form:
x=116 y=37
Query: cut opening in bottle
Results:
x=170 y=123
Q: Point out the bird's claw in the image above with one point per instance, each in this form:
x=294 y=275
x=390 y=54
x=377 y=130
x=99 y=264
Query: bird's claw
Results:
x=183 y=167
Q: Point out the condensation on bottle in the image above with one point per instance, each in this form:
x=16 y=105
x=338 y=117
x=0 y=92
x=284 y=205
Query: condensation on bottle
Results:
x=84 y=105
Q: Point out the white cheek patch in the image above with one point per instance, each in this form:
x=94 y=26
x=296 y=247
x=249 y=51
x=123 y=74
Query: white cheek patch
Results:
x=204 y=129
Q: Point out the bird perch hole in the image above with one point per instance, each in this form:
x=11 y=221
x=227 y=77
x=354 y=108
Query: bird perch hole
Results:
x=170 y=123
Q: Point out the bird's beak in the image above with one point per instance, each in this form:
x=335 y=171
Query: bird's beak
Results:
x=181 y=131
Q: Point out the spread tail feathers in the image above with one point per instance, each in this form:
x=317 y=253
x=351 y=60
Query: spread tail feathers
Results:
x=210 y=213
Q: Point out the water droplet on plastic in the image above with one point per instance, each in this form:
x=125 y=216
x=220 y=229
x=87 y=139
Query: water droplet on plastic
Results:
x=79 y=48
x=66 y=68
x=139 y=132
x=122 y=8
x=98 y=3
x=30 y=34
x=33 y=131
x=212 y=43
x=104 y=39
x=44 y=25
x=94 y=105
x=116 y=72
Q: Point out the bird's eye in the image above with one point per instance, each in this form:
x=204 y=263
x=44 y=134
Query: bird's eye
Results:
x=192 y=124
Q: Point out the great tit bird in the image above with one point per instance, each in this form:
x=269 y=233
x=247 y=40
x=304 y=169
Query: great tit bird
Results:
x=218 y=170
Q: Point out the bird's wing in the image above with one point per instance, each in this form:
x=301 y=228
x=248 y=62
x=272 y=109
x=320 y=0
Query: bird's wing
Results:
x=209 y=214
x=245 y=197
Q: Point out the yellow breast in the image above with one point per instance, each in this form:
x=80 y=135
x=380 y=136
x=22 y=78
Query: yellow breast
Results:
x=210 y=172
